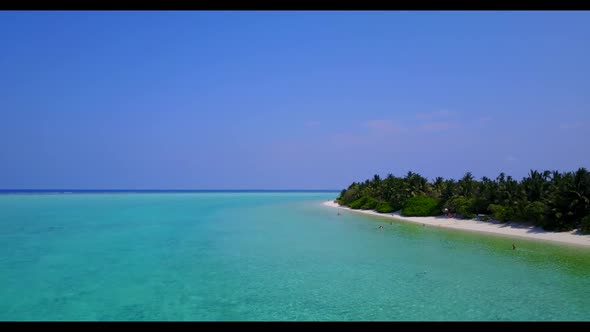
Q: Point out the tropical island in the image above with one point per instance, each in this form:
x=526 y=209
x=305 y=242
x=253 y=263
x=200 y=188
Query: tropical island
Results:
x=549 y=200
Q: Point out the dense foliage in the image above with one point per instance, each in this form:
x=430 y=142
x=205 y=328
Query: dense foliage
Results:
x=552 y=200
x=421 y=206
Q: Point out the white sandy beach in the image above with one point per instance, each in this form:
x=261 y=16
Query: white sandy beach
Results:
x=484 y=227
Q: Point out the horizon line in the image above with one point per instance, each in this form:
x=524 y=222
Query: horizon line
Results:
x=68 y=189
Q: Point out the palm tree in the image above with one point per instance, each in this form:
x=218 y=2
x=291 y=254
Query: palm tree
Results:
x=466 y=185
x=448 y=191
x=437 y=187
x=416 y=185
x=374 y=187
x=532 y=186
x=580 y=193
x=555 y=200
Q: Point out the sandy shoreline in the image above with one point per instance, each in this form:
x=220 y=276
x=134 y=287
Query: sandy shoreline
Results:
x=483 y=227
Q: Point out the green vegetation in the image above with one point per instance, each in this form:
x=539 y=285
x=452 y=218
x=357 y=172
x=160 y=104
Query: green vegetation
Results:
x=501 y=213
x=384 y=207
x=585 y=227
x=553 y=200
x=421 y=206
x=465 y=207
x=364 y=203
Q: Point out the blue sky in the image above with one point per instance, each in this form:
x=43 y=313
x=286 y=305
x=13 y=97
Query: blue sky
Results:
x=288 y=100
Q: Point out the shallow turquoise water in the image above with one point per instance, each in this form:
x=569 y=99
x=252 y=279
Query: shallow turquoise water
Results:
x=267 y=256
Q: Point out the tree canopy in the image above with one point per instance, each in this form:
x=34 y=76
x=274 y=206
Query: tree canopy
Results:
x=550 y=199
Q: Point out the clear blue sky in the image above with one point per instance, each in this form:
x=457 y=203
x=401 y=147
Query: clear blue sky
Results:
x=288 y=100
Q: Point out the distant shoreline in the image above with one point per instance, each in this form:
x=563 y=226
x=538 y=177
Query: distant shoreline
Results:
x=156 y=191
x=512 y=230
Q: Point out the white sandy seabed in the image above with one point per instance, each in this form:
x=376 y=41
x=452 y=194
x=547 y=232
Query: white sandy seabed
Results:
x=484 y=227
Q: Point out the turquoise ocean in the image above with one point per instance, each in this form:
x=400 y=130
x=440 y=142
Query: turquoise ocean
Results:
x=267 y=256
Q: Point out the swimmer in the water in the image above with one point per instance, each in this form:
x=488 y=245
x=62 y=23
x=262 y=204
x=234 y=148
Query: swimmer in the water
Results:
x=513 y=247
